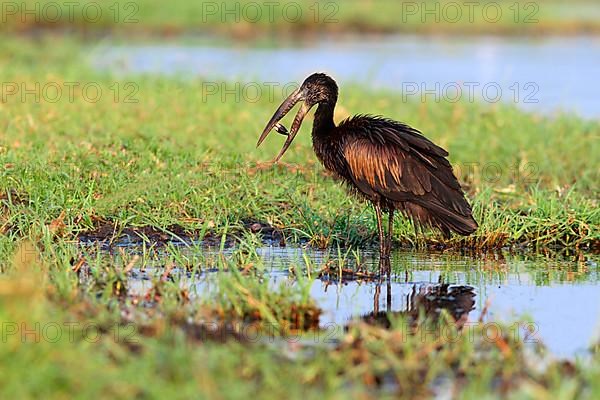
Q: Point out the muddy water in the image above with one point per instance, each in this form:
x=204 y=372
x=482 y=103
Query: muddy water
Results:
x=556 y=298
x=539 y=74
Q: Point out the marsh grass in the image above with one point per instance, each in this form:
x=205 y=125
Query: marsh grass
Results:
x=172 y=160
x=135 y=350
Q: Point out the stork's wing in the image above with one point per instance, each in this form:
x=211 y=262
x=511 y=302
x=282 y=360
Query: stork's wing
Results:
x=389 y=159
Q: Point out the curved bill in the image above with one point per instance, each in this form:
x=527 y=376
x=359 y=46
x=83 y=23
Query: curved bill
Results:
x=295 y=128
x=283 y=109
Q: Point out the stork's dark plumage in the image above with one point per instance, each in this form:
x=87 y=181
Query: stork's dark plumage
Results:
x=386 y=162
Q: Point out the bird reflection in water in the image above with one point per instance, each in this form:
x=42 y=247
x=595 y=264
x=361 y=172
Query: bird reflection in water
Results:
x=428 y=301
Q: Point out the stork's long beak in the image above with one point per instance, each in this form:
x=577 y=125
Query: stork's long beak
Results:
x=281 y=112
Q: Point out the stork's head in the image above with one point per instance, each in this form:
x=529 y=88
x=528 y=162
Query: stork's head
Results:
x=316 y=89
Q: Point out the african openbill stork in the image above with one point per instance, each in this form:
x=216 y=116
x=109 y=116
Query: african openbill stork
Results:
x=384 y=161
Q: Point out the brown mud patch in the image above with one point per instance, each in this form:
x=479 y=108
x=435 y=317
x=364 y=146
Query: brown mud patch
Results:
x=110 y=233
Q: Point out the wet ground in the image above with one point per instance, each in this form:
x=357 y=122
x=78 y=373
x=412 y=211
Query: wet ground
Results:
x=555 y=297
x=523 y=71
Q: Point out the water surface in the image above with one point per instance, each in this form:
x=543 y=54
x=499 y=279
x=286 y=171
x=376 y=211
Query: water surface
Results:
x=539 y=74
x=559 y=296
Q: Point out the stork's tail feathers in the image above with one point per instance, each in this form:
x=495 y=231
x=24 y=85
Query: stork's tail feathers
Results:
x=445 y=219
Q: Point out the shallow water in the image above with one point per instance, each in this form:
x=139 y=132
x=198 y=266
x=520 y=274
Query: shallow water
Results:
x=540 y=74
x=559 y=296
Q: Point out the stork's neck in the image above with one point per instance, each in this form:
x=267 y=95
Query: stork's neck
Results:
x=323 y=123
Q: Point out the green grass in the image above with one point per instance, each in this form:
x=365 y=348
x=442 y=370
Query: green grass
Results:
x=181 y=157
x=246 y=18
x=174 y=158
x=159 y=346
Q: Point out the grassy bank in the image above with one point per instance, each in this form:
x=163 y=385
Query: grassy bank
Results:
x=169 y=153
x=248 y=18
x=164 y=156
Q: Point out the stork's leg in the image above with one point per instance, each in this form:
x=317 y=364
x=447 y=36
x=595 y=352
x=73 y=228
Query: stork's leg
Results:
x=382 y=252
x=389 y=292
x=376 y=299
x=390 y=231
